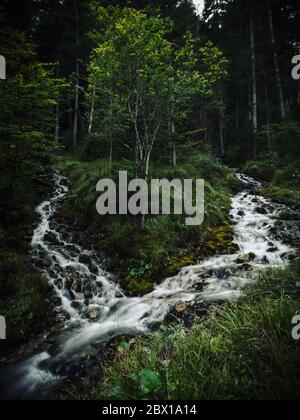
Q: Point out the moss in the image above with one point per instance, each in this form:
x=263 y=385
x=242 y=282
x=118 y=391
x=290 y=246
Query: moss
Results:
x=220 y=241
x=137 y=287
x=178 y=263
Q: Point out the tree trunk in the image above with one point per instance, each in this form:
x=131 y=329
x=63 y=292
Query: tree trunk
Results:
x=57 y=119
x=111 y=156
x=92 y=113
x=276 y=63
x=237 y=115
x=221 y=125
x=57 y=128
x=174 y=151
x=254 y=85
x=270 y=145
x=77 y=75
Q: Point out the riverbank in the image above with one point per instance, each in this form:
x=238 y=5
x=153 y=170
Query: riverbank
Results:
x=93 y=310
x=243 y=351
x=141 y=258
x=158 y=367
x=24 y=293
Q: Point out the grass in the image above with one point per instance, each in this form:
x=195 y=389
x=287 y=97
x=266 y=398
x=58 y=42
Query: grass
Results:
x=264 y=168
x=283 y=178
x=285 y=186
x=241 y=351
x=142 y=257
x=23 y=291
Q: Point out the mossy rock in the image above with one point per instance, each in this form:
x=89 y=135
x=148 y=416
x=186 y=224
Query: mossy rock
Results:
x=178 y=263
x=220 y=241
x=136 y=286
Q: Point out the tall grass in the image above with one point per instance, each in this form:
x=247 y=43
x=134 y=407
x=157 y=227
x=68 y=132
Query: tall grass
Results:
x=243 y=351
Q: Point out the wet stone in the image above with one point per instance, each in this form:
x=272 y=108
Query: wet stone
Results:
x=261 y=210
x=77 y=305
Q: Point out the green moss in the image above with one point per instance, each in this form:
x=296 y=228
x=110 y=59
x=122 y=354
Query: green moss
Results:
x=220 y=241
x=137 y=287
x=178 y=263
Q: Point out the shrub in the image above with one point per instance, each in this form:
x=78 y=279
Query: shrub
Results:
x=263 y=168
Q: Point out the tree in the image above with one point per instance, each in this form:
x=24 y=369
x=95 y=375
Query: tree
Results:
x=147 y=82
x=276 y=64
x=253 y=84
x=28 y=101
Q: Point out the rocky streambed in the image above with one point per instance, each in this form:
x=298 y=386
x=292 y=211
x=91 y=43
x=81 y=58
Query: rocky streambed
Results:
x=91 y=308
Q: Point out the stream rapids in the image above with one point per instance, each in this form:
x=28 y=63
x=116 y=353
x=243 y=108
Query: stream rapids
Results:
x=93 y=307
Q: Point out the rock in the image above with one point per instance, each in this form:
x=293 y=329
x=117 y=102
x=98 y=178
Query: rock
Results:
x=84 y=259
x=76 y=305
x=79 y=296
x=247 y=267
x=68 y=283
x=42 y=263
x=272 y=249
x=94 y=269
x=51 y=238
x=265 y=260
x=241 y=213
x=244 y=258
x=205 y=275
x=181 y=307
x=261 y=210
x=298 y=284
x=251 y=256
x=94 y=314
x=199 y=287
x=88 y=294
x=229 y=273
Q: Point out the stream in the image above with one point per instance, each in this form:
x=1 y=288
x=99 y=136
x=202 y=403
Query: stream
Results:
x=93 y=309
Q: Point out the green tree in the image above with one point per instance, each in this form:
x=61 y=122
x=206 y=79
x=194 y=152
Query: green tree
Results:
x=144 y=80
x=28 y=101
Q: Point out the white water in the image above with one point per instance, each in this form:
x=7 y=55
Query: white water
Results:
x=97 y=308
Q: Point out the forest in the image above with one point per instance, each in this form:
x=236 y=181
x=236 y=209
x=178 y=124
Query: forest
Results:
x=118 y=306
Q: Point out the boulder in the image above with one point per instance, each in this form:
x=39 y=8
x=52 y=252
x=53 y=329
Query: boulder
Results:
x=244 y=258
x=95 y=314
x=261 y=210
x=181 y=307
x=76 y=305
x=84 y=259
x=247 y=267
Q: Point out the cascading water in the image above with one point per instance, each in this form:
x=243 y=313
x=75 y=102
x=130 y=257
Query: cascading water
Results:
x=95 y=309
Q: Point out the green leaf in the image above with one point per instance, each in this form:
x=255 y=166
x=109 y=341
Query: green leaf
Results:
x=150 y=382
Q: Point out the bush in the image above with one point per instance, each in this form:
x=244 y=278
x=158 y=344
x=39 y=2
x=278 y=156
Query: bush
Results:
x=262 y=169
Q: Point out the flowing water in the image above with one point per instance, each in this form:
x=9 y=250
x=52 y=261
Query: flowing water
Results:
x=94 y=309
